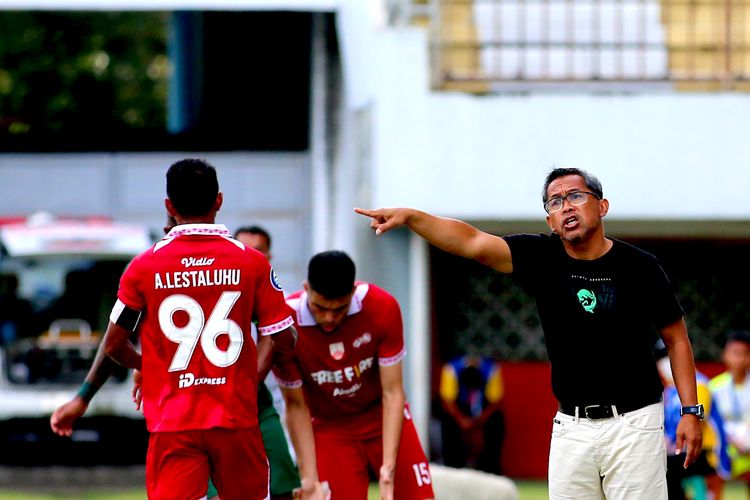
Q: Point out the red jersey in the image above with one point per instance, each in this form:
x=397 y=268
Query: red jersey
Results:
x=339 y=371
x=198 y=290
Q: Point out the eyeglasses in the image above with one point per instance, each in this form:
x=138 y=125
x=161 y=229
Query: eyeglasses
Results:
x=575 y=198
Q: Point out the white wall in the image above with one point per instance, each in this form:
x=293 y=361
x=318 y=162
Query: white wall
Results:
x=659 y=155
x=259 y=188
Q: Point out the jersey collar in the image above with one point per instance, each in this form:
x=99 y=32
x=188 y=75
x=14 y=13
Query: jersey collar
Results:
x=201 y=229
x=195 y=229
x=305 y=316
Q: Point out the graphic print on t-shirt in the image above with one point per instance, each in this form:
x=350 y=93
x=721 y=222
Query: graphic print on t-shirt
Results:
x=587 y=298
x=595 y=295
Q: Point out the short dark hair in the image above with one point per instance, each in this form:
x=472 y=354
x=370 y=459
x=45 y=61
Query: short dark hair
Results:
x=331 y=274
x=254 y=230
x=192 y=187
x=738 y=336
x=590 y=180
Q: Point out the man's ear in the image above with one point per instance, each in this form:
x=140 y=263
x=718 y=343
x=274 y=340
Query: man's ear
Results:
x=306 y=286
x=219 y=201
x=603 y=207
x=170 y=207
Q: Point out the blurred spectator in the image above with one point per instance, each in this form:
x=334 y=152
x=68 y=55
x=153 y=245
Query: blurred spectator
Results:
x=79 y=300
x=713 y=463
x=731 y=393
x=471 y=389
x=15 y=312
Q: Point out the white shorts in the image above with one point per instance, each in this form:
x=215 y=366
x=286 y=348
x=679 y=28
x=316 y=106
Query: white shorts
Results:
x=618 y=458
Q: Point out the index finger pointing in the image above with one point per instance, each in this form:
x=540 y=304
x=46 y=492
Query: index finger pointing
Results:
x=365 y=211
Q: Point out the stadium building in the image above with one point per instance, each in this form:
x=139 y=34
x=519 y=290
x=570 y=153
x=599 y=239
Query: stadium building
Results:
x=457 y=107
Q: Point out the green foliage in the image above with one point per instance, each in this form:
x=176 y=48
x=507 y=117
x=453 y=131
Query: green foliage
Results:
x=82 y=72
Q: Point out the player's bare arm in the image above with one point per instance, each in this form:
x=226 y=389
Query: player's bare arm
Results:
x=117 y=345
x=394 y=399
x=283 y=348
x=689 y=433
x=265 y=351
x=452 y=235
x=299 y=423
x=65 y=415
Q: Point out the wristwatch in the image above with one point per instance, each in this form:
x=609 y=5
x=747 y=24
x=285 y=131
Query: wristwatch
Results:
x=696 y=410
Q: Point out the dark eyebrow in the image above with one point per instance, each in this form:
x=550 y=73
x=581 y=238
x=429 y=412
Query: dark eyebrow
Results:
x=568 y=193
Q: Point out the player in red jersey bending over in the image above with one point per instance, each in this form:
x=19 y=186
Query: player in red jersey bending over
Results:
x=195 y=293
x=348 y=362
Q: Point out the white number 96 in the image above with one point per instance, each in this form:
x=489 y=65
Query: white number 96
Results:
x=187 y=336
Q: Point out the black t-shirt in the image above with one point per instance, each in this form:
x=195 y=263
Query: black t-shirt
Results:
x=598 y=318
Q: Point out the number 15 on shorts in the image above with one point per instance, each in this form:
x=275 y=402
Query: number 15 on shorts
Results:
x=422 y=473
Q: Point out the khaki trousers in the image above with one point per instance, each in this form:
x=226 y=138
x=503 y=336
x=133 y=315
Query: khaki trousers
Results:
x=619 y=458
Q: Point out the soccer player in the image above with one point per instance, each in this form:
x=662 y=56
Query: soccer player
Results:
x=195 y=294
x=348 y=363
x=599 y=301
x=285 y=477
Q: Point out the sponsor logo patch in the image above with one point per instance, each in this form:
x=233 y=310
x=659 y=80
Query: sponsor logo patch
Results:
x=189 y=380
x=363 y=339
x=337 y=350
x=275 y=281
x=192 y=261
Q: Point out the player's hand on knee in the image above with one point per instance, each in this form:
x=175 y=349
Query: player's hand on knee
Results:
x=386 y=482
x=312 y=490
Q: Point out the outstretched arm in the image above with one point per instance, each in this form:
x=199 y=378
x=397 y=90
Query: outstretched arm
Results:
x=66 y=414
x=452 y=235
x=689 y=433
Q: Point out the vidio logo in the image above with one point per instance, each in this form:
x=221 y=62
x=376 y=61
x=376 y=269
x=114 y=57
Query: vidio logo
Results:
x=186 y=380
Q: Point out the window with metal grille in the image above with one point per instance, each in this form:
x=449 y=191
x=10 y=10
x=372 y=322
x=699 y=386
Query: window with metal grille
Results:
x=486 y=45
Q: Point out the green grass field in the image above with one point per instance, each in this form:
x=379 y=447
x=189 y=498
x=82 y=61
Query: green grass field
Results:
x=530 y=490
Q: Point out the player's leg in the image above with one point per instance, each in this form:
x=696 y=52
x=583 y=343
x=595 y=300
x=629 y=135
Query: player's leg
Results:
x=636 y=464
x=573 y=473
x=494 y=433
x=342 y=463
x=176 y=466
x=239 y=468
x=284 y=474
x=413 y=480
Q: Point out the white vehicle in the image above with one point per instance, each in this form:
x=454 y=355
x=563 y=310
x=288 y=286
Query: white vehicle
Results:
x=58 y=282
